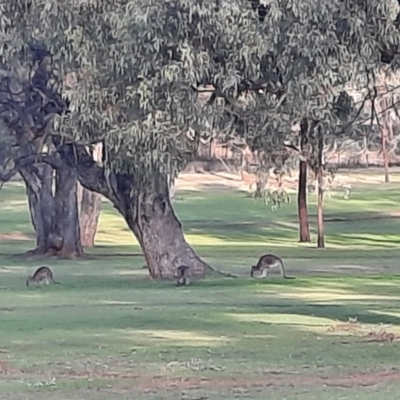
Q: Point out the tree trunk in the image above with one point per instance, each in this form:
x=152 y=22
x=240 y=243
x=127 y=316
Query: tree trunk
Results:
x=89 y=216
x=54 y=215
x=41 y=207
x=304 y=230
x=161 y=238
x=151 y=217
x=320 y=206
x=366 y=151
x=89 y=204
x=320 y=211
x=172 y=192
x=385 y=154
x=67 y=221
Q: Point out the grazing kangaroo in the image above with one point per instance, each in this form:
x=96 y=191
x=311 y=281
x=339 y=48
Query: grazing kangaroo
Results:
x=265 y=263
x=42 y=274
x=182 y=274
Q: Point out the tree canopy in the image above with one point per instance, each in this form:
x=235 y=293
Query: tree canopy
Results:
x=148 y=79
x=131 y=71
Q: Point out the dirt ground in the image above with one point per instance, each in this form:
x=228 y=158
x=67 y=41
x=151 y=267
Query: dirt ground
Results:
x=141 y=382
x=284 y=380
x=226 y=180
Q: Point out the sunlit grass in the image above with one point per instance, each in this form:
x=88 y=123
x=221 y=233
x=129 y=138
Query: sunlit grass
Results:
x=107 y=314
x=389 y=313
x=173 y=337
x=327 y=296
x=282 y=319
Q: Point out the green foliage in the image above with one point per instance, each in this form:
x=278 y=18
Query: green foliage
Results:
x=131 y=69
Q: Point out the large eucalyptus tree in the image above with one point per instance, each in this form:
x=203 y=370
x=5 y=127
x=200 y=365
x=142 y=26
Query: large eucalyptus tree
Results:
x=130 y=73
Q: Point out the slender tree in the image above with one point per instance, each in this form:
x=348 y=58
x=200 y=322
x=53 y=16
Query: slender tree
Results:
x=304 y=230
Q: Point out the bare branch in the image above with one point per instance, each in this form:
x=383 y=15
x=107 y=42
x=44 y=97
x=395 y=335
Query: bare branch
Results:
x=5 y=177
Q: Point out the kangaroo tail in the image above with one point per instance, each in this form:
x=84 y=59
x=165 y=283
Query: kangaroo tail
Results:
x=283 y=270
x=227 y=274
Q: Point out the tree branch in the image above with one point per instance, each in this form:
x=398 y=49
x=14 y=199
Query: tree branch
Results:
x=90 y=175
x=50 y=159
x=5 y=177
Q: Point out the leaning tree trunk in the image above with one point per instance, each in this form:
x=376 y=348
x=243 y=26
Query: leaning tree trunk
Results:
x=161 y=238
x=304 y=230
x=151 y=217
x=147 y=209
x=54 y=213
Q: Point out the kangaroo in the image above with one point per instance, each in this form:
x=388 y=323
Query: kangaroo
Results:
x=42 y=274
x=265 y=263
x=182 y=274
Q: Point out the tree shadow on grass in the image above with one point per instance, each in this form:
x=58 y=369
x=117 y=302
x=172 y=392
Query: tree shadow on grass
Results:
x=382 y=234
x=217 y=294
x=243 y=319
x=334 y=312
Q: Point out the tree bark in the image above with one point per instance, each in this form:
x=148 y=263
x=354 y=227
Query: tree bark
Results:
x=385 y=154
x=67 y=220
x=89 y=215
x=160 y=236
x=172 y=192
x=151 y=217
x=41 y=207
x=366 y=151
x=54 y=215
x=320 y=206
x=320 y=211
x=304 y=230
x=89 y=204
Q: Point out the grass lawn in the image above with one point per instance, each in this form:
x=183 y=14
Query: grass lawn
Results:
x=109 y=332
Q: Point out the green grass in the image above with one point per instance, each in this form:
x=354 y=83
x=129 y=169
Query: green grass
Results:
x=108 y=332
